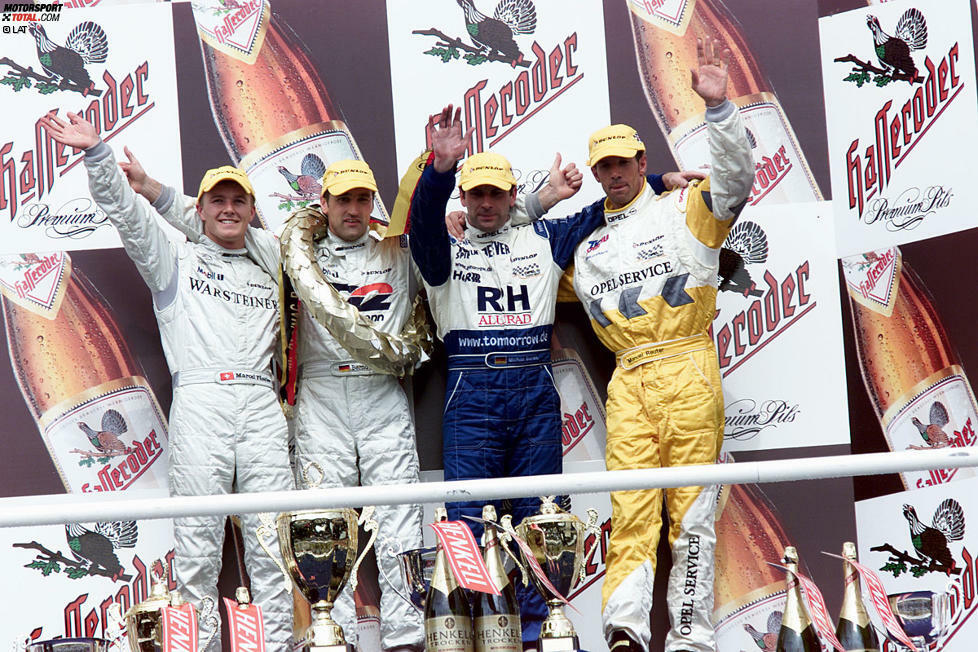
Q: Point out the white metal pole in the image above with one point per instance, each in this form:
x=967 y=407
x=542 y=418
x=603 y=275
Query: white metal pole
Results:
x=45 y=510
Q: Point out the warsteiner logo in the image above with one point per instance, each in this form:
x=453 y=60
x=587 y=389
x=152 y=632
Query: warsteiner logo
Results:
x=64 y=65
x=492 y=38
x=91 y=550
x=931 y=552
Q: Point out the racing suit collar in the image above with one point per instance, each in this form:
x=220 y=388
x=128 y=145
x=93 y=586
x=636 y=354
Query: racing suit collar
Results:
x=217 y=250
x=618 y=215
x=477 y=237
x=339 y=247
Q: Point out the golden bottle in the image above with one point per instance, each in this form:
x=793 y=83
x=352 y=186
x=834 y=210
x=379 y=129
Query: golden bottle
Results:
x=96 y=412
x=748 y=593
x=665 y=36
x=496 y=617
x=272 y=108
x=447 y=616
x=912 y=373
x=854 y=631
x=797 y=630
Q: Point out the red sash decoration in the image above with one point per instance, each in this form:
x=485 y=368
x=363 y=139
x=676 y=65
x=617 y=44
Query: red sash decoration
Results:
x=462 y=553
x=817 y=610
x=180 y=628
x=880 y=601
x=245 y=626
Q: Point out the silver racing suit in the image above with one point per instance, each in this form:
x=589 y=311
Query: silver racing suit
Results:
x=218 y=317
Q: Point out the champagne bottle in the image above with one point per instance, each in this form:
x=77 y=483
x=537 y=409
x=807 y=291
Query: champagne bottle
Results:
x=272 y=108
x=747 y=591
x=497 y=617
x=854 y=631
x=97 y=414
x=447 y=616
x=913 y=375
x=665 y=36
x=797 y=631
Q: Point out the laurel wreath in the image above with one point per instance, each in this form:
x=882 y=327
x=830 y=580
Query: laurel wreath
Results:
x=383 y=352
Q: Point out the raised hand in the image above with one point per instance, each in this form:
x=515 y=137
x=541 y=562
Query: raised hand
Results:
x=673 y=180
x=564 y=182
x=140 y=182
x=448 y=143
x=78 y=132
x=710 y=80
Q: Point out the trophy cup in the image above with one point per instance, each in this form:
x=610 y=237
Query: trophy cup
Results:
x=416 y=567
x=556 y=539
x=144 y=621
x=927 y=617
x=320 y=552
x=69 y=645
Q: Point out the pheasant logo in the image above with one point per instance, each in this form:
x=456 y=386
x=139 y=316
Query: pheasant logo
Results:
x=893 y=52
x=106 y=441
x=766 y=641
x=487 y=38
x=930 y=550
x=64 y=67
x=746 y=244
x=92 y=551
x=305 y=185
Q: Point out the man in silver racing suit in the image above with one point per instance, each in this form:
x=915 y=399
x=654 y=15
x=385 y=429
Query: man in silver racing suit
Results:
x=218 y=318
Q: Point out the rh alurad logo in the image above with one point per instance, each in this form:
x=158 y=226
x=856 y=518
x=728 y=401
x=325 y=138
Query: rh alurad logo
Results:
x=91 y=551
x=64 y=65
x=490 y=39
x=930 y=550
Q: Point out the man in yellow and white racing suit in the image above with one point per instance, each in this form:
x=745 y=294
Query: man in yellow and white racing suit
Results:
x=648 y=280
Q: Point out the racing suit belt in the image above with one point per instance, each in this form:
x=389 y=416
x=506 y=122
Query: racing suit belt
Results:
x=327 y=368
x=639 y=355
x=222 y=376
x=498 y=360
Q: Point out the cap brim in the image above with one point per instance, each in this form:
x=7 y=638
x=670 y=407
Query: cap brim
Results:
x=469 y=184
x=613 y=150
x=341 y=187
x=210 y=186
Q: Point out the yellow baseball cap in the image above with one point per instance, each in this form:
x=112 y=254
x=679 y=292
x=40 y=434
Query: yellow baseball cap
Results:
x=342 y=176
x=215 y=176
x=616 y=140
x=486 y=168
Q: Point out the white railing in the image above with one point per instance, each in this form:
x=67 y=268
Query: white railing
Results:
x=46 y=510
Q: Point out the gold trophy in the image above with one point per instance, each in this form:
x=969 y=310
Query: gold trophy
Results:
x=319 y=548
x=144 y=621
x=556 y=539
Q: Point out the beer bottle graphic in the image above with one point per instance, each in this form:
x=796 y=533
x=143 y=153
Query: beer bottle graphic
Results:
x=747 y=590
x=913 y=375
x=797 y=630
x=97 y=414
x=854 y=631
x=273 y=111
x=665 y=36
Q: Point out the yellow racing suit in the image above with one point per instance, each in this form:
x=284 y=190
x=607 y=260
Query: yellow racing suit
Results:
x=648 y=280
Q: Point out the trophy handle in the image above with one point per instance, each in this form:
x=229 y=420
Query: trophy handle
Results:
x=266 y=530
x=208 y=615
x=506 y=524
x=946 y=601
x=592 y=527
x=306 y=474
x=392 y=548
x=369 y=525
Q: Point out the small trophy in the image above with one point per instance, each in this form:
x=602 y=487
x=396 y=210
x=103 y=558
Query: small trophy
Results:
x=927 y=616
x=144 y=621
x=556 y=539
x=416 y=566
x=320 y=552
